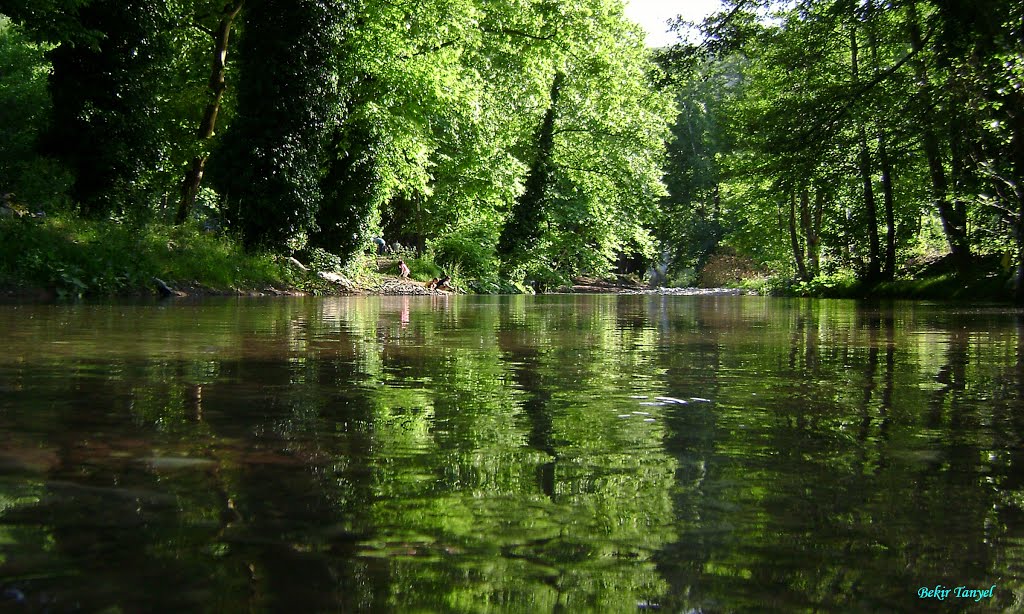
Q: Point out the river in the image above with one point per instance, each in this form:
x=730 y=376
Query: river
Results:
x=535 y=454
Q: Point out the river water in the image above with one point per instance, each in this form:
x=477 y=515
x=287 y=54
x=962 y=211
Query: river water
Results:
x=535 y=454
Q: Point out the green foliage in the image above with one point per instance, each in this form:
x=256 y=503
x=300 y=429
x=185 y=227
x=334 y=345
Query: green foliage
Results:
x=341 y=121
x=541 y=277
x=106 y=101
x=352 y=193
x=523 y=228
x=25 y=108
x=79 y=257
x=470 y=251
x=53 y=21
x=834 y=285
x=691 y=222
x=320 y=259
x=269 y=166
x=76 y=257
x=597 y=154
x=424 y=269
x=945 y=287
x=449 y=119
x=825 y=140
x=609 y=149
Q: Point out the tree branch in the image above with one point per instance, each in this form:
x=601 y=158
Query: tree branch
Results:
x=583 y=169
x=208 y=31
x=433 y=49
x=515 y=32
x=823 y=128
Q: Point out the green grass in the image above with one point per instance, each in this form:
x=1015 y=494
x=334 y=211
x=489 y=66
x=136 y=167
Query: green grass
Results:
x=420 y=268
x=423 y=269
x=945 y=286
x=78 y=257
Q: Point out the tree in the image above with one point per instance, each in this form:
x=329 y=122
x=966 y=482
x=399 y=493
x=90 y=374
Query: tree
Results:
x=25 y=111
x=828 y=152
x=108 y=71
x=691 y=222
x=216 y=87
x=269 y=166
x=523 y=228
x=595 y=195
x=352 y=192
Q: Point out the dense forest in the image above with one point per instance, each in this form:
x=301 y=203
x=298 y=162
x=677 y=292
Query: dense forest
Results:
x=527 y=140
x=837 y=138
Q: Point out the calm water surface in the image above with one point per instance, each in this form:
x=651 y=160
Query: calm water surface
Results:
x=548 y=454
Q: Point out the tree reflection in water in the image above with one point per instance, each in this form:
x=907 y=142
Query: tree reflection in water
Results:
x=510 y=453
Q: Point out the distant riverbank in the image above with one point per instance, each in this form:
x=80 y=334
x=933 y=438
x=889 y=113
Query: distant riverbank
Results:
x=985 y=280
x=55 y=257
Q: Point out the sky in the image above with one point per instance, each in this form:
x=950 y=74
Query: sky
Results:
x=652 y=15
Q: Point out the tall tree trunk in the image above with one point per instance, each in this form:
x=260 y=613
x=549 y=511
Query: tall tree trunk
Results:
x=806 y=225
x=1018 y=232
x=864 y=165
x=871 y=208
x=1015 y=198
x=961 y=171
x=523 y=228
x=794 y=239
x=217 y=84
x=885 y=163
x=890 y=216
x=812 y=232
x=953 y=226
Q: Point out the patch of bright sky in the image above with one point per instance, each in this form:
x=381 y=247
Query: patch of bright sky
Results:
x=653 y=15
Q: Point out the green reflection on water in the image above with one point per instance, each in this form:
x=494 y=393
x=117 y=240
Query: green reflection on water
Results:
x=510 y=453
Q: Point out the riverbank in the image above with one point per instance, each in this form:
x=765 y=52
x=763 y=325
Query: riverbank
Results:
x=63 y=257
x=934 y=288
x=58 y=257
x=988 y=278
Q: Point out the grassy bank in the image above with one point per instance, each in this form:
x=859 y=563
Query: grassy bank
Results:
x=933 y=276
x=71 y=257
x=63 y=256
x=946 y=286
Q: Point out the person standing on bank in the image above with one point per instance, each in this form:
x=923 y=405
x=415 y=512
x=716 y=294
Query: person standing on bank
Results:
x=403 y=269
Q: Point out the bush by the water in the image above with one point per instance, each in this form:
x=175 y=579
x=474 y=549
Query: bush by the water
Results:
x=77 y=257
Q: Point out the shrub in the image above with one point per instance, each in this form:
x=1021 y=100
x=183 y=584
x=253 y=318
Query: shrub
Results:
x=79 y=257
x=472 y=253
x=423 y=269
